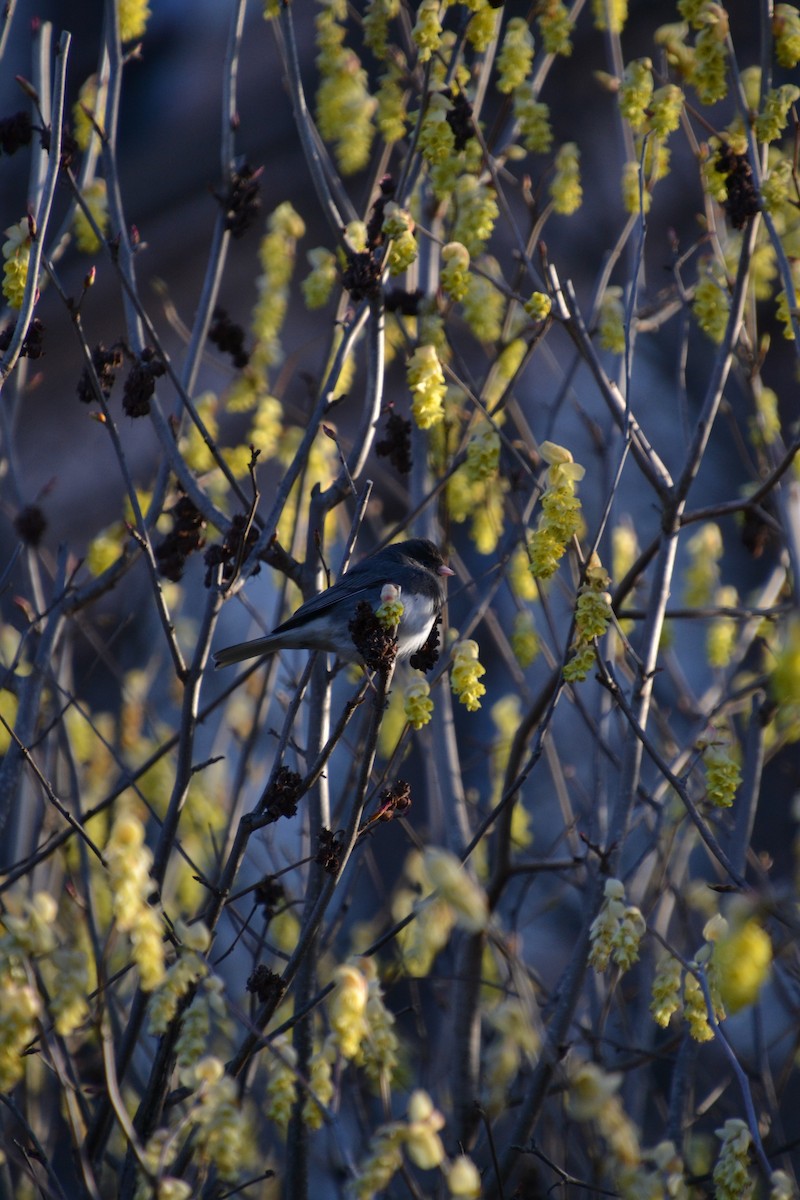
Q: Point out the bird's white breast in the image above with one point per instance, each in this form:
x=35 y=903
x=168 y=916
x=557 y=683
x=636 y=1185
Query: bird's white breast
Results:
x=415 y=623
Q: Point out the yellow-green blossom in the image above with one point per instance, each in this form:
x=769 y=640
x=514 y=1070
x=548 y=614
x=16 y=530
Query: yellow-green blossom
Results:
x=355 y=233
x=520 y=579
x=224 y=1137
x=504 y=370
x=476 y=212
x=345 y=107
x=195 y=451
x=347 y=1009
x=466 y=673
x=624 y=548
x=627 y=937
x=515 y=1041
x=709 y=78
x=9 y=707
x=546 y=550
x=538 y=306
x=390 y=115
x=436 y=138
x=85 y=115
x=320 y=1077
x=555 y=27
x=399 y=226
x=665 y=109
x=695 y=1011
x=765 y=425
x=781 y=1186
x=636 y=91
x=426 y=383
x=28 y=923
x=381 y=1164
x=666 y=996
x=378 y=1055
x=95 y=195
x=506 y=716
x=376 y=25
x=611 y=320
x=605 y=925
x=482 y=28
x=656 y=161
x=772 y=120
x=318 y=285
x=16 y=252
x=483 y=454
x=691 y=11
x=785 y=670
x=133 y=16
x=276 y=257
x=592 y=616
x=732 y=1179
x=533 y=118
x=431 y=330
x=390 y=609
x=565 y=186
x=723 y=773
x=635 y=196
x=487 y=518
x=610 y=14
x=159 y=1154
x=589 y=1090
x=742 y=958
x=592 y=1096
x=560 y=517
x=516 y=55
x=418 y=1136
x=428 y=29
x=672 y=38
x=421 y=940
x=68 y=1001
x=721 y=637
x=129 y=861
x=187 y=969
x=448 y=875
x=713 y=174
x=454 y=276
x=463 y=1179
x=751 y=86
x=20 y=1007
x=763 y=271
x=784 y=311
x=105 y=548
x=422 y=1142
x=484 y=304
x=524 y=639
x=207 y=1002
x=281 y=1082
x=266 y=427
x=711 y=306
x=786 y=31
x=702 y=574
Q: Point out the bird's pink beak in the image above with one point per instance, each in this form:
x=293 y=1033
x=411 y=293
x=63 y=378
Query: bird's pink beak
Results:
x=444 y=570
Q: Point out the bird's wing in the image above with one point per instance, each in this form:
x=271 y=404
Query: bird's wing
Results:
x=354 y=585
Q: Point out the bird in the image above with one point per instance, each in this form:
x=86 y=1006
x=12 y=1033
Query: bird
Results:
x=415 y=567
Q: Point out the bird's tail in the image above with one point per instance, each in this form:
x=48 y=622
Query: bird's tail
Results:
x=243 y=650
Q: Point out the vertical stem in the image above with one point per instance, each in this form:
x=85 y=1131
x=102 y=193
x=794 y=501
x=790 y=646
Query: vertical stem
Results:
x=305 y=983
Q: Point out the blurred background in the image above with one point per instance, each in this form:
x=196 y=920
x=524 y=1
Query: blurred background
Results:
x=170 y=171
x=169 y=159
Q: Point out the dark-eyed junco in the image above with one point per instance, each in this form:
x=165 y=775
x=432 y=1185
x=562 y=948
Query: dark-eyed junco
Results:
x=415 y=567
